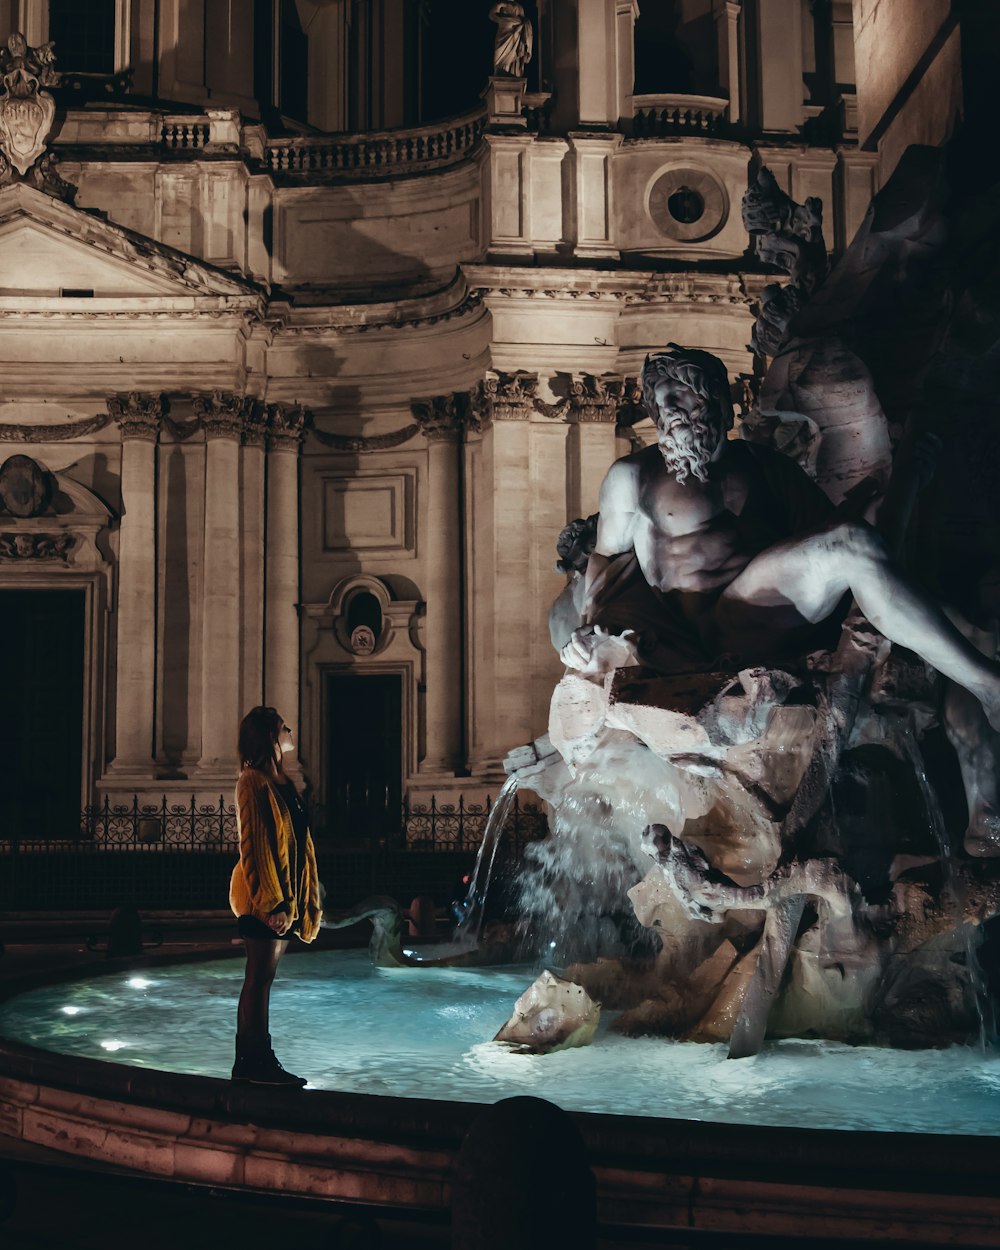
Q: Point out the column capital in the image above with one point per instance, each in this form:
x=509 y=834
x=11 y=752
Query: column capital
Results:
x=223 y=414
x=593 y=398
x=254 y=432
x=442 y=418
x=504 y=397
x=286 y=426
x=137 y=415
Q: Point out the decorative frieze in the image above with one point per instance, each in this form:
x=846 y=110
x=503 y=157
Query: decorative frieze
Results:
x=138 y=416
x=25 y=546
x=286 y=426
x=54 y=433
x=366 y=442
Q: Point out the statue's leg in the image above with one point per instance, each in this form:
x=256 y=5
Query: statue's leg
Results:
x=813 y=573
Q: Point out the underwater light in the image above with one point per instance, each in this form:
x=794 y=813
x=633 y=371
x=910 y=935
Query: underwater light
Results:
x=139 y=983
x=71 y=1011
x=112 y=1045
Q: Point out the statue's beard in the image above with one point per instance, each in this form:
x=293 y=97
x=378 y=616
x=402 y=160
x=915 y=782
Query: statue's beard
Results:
x=687 y=448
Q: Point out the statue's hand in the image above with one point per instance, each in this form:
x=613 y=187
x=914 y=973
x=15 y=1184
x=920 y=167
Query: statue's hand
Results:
x=593 y=650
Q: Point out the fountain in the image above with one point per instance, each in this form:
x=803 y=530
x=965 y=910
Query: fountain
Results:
x=748 y=854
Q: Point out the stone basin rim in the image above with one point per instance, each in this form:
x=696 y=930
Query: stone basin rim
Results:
x=862 y=1161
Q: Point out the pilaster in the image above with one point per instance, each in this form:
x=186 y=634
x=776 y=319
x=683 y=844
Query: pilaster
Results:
x=138 y=419
x=855 y=183
x=442 y=421
x=222 y=417
x=779 y=66
x=253 y=440
x=595 y=214
x=727 y=31
x=503 y=618
x=591 y=415
x=285 y=429
x=508 y=195
x=626 y=11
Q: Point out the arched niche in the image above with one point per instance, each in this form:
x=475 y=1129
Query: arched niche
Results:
x=334 y=645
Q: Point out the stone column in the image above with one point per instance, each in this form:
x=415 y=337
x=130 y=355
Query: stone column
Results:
x=286 y=426
x=442 y=422
x=727 y=31
x=252 y=558
x=138 y=418
x=222 y=416
x=593 y=408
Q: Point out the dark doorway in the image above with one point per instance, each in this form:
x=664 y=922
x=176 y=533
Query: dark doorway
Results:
x=364 y=755
x=41 y=730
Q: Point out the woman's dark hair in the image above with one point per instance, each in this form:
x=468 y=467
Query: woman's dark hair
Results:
x=258 y=740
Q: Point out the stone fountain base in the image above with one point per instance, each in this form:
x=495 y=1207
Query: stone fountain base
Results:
x=399 y=1155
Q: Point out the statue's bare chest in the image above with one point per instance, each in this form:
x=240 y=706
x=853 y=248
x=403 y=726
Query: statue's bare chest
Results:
x=677 y=509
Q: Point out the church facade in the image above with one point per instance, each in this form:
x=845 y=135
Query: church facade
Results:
x=303 y=371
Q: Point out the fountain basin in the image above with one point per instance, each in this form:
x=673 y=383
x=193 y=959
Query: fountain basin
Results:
x=734 y=1156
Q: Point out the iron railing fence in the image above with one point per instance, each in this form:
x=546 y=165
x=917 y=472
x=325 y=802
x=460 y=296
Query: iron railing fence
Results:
x=170 y=856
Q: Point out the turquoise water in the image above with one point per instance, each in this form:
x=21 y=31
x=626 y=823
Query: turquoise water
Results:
x=425 y=1032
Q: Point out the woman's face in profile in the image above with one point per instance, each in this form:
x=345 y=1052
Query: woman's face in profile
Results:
x=285 y=740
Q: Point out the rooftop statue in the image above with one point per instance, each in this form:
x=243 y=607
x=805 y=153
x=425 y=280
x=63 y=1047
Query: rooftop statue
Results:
x=709 y=547
x=512 y=49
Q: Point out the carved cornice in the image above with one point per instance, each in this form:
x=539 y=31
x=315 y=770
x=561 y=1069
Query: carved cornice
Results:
x=650 y=288
x=471 y=301
x=286 y=426
x=138 y=416
x=22 y=546
x=223 y=414
x=54 y=433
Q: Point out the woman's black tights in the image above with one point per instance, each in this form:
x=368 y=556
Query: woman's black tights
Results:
x=263 y=957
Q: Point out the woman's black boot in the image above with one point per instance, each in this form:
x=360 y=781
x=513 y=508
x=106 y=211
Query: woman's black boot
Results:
x=256 y=1064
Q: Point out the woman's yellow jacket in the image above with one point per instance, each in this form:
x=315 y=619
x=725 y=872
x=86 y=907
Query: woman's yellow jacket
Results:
x=268 y=873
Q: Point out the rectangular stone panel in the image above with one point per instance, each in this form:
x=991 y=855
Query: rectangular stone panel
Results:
x=367 y=514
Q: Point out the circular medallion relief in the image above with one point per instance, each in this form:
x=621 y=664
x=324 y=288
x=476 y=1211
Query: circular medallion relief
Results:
x=25 y=487
x=687 y=204
x=362 y=640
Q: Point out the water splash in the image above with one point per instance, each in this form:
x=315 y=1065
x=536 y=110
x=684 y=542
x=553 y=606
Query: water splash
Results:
x=473 y=909
x=572 y=888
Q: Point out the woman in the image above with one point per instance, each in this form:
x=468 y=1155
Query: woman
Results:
x=274 y=890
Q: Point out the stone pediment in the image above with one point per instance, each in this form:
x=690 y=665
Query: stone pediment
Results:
x=50 y=249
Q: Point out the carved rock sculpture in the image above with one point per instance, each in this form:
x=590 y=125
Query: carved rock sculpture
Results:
x=780 y=910
x=551 y=1014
